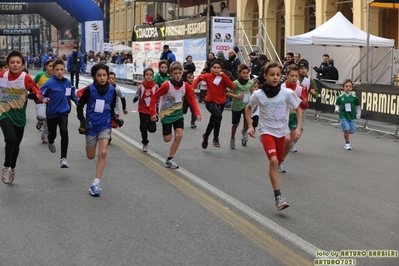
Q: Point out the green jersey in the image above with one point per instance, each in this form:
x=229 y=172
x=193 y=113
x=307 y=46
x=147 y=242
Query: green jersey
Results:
x=239 y=104
x=158 y=79
x=347 y=106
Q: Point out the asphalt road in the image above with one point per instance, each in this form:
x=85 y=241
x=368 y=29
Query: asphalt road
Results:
x=217 y=209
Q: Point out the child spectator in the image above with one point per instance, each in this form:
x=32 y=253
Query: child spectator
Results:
x=348 y=108
x=99 y=98
x=171 y=109
x=144 y=95
x=274 y=104
x=16 y=88
x=57 y=94
x=216 y=82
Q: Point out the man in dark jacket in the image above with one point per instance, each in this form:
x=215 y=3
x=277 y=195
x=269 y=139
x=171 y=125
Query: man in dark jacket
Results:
x=232 y=63
x=75 y=64
x=254 y=64
x=289 y=60
x=323 y=64
x=167 y=54
x=330 y=73
x=263 y=60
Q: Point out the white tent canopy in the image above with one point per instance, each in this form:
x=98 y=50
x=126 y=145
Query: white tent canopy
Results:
x=122 y=48
x=346 y=44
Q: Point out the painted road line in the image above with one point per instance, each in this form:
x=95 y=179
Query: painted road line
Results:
x=296 y=240
x=249 y=230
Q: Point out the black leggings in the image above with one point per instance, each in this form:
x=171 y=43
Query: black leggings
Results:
x=75 y=73
x=13 y=136
x=62 y=122
x=146 y=125
x=215 y=120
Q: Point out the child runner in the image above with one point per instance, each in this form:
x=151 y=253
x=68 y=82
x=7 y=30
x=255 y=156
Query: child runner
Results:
x=162 y=75
x=308 y=83
x=144 y=95
x=40 y=79
x=202 y=89
x=99 y=98
x=186 y=105
x=292 y=84
x=119 y=93
x=255 y=109
x=348 y=108
x=171 y=109
x=274 y=104
x=3 y=66
x=16 y=88
x=215 y=98
x=57 y=93
x=240 y=95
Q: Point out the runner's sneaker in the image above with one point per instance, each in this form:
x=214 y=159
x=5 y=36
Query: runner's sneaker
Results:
x=281 y=168
x=39 y=125
x=64 y=163
x=171 y=164
x=51 y=147
x=12 y=175
x=233 y=144
x=244 y=136
x=204 y=143
x=95 y=191
x=193 y=125
x=281 y=204
x=145 y=148
x=5 y=175
x=215 y=143
x=347 y=146
x=293 y=149
x=44 y=141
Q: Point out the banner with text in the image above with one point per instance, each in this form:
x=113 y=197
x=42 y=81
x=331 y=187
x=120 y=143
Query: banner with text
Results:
x=222 y=35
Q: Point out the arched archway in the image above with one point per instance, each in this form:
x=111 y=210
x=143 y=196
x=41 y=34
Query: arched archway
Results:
x=85 y=11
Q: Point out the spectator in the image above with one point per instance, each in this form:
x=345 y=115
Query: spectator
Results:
x=224 y=11
x=232 y=63
x=263 y=61
x=289 y=60
x=158 y=19
x=211 y=11
x=211 y=57
x=220 y=57
x=323 y=64
x=188 y=67
x=168 y=54
x=47 y=57
x=297 y=58
x=148 y=19
x=254 y=64
x=330 y=73
x=75 y=64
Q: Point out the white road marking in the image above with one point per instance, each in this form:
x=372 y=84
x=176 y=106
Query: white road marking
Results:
x=291 y=237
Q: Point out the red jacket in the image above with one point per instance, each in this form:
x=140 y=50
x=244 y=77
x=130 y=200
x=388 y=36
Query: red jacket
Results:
x=215 y=93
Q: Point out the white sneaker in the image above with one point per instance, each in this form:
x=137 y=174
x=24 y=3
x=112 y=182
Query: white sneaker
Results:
x=281 y=204
x=171 y=164
x=244 y=135
x=232 y=144
x=347 y=146
x=64 y=163
x=293 y=149
x=145 y=148
x=5 y=175
x=51 y=147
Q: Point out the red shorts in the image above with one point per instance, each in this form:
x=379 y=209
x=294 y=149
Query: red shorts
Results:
x=273 y=146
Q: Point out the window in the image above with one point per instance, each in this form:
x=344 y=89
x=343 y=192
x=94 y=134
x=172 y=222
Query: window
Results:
x=116 y=21
x=123 y=20
x=111 y=23
x=129 y=19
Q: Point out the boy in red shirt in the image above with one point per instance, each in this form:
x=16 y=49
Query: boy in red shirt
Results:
x=172 y=94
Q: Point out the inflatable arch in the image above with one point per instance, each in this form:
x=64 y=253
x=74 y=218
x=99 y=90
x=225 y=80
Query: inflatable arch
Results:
x=85 y=11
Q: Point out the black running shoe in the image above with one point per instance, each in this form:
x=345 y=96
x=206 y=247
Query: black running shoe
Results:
x=204 y=142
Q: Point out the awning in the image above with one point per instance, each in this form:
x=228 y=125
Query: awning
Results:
x=385 y=3
x=181 y=3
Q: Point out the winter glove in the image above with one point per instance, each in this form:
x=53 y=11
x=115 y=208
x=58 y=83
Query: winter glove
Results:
x=32 y=96
x=83 y=127
x=118 y=121
x=135 y=99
